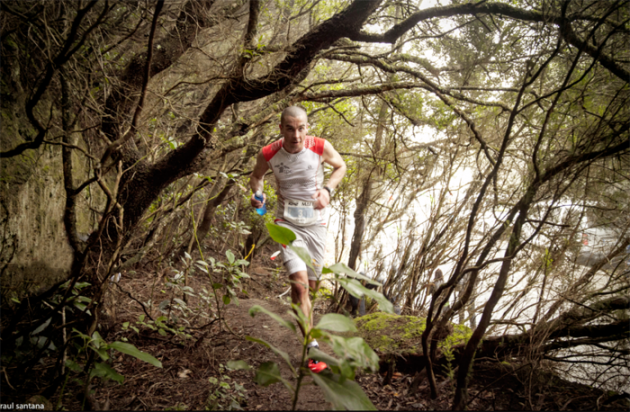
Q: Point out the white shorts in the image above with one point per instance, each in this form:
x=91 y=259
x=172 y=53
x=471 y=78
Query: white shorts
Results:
x=313 y=239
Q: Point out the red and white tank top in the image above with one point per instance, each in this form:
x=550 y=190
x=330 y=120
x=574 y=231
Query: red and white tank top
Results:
x=299 y=175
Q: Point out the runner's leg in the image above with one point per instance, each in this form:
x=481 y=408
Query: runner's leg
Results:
x=304 y=278
x=299 y=294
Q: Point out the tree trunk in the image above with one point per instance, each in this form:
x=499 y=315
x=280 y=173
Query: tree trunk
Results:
x=367 y=192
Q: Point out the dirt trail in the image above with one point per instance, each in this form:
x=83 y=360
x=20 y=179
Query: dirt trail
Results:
x=264 y=327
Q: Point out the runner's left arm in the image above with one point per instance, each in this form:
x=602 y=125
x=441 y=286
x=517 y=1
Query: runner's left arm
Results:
x=333 y=158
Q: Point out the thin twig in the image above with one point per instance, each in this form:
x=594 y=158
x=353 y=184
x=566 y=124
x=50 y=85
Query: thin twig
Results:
x=129 y=294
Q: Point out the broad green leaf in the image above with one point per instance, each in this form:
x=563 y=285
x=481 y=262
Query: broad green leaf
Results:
x=346 y=370
x=356 y=351
x=82 y=307
x=257 y=308
x=102 y=352
x=298 y=315
x=335 y=322
x=41 y=327
x=383 y=304
x=280 y=234
x=237 y=365
x=346 y=394
x=97 y=340
x=40 y=341
x=343 y=268
x=304 y=255
x=103 y=370
x=73 y=366
x=226 y=299
x=83 y=299
x=129 y=349
x=356 y=289
x=217 y=285
x=277 y=351
x=268 y=373
x=230 y=256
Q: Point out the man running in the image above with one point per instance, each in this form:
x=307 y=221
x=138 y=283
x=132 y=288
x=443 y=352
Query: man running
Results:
x=296 y=161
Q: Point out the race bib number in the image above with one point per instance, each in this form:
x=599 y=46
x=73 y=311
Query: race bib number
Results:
x=300 y=212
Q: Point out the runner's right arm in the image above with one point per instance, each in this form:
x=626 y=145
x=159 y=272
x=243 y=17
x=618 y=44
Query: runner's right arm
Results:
x=257 y=178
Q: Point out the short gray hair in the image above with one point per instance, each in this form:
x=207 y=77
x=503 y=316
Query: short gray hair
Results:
x=292 y=111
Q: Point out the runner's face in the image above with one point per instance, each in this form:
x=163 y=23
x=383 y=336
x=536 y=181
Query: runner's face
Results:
x=294 y=132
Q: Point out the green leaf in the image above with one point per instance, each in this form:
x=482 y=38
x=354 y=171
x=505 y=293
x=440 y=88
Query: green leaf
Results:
x=97 y=340
x=269 y=373
x=304 y=255
x=280 y=234
x=277 y=351
x=343 y=394
x=356 y=289
x=73 y=366
x=287 y=324
x=216 y=286
x=103 y=370
x=41 y=327
x=230 y=256
x=356 y=351
x=82 y=307
x=129 y=349
x=237 y=365
x=343 y=268
x=162 y=332
x=226 y=299
x=336 y=323
x=298 y=315
x=102 y=352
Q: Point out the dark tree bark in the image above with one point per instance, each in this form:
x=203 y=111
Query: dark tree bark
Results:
x=367 y=191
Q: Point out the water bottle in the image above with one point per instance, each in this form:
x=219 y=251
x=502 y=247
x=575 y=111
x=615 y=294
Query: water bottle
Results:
x=262 y=210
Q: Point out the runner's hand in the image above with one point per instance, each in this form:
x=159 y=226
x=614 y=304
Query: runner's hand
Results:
x=322 y=199
x=257 y=204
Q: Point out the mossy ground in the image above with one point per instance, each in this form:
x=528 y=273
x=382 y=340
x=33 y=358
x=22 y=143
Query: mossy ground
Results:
x=393 y=334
